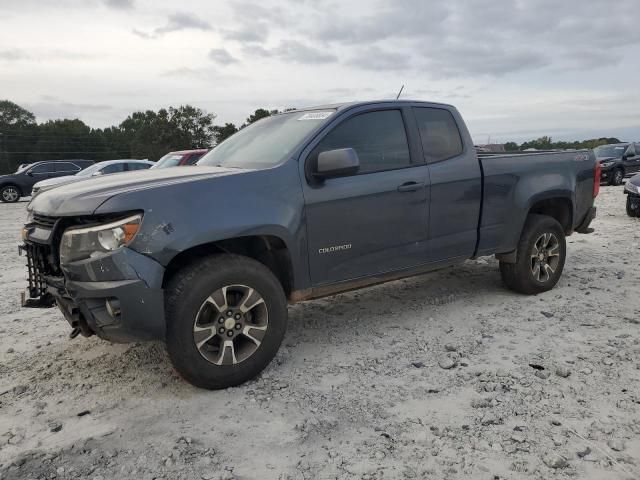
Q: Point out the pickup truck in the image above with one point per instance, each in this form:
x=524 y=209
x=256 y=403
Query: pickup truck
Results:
x=297 y=206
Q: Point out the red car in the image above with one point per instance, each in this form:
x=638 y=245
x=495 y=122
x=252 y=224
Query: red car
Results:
x=181 y=158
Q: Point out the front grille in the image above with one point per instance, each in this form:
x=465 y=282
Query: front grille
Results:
x=38 y=266
x=44 y=221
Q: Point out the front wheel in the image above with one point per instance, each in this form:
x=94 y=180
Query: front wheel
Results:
x=540 y=259
x=226 y=317
x=617 y=177
x=633 y=206
x=9 y=194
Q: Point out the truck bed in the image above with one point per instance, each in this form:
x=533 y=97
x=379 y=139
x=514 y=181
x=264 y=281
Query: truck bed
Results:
x=514 y=183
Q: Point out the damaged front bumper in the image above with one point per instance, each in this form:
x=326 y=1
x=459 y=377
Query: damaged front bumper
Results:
x=118 y=297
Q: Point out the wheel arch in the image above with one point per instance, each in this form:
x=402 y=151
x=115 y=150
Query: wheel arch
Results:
x=270 y=250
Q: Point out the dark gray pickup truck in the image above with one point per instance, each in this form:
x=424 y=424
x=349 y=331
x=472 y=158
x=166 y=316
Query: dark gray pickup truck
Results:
x=296 y=206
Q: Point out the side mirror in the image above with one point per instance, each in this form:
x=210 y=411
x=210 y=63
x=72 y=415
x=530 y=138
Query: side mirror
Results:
x=30 y=173
x=98 y=173
x=337 y=163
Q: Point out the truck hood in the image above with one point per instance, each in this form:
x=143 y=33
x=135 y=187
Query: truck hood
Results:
x=635 y=180
x=83 y=198
x=606 y=159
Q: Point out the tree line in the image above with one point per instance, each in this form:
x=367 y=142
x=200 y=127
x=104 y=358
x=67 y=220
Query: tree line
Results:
x=547 y=143
x=149 y=134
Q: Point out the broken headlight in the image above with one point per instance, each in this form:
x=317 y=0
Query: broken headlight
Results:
x=80 y=243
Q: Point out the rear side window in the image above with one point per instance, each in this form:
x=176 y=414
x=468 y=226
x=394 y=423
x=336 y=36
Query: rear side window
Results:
x=439 y=133
x=194 y=158
x=113 y=168
x=137 y=166
x=67 y=167
x=379 y=138
x=43 y=168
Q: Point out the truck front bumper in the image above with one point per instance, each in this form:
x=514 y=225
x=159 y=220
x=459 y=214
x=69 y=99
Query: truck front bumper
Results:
x=118 y=297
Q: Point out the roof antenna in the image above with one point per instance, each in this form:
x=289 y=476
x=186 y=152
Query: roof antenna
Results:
x=400 y=92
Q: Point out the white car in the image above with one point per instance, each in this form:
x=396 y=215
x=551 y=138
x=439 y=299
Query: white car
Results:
x=102 y=168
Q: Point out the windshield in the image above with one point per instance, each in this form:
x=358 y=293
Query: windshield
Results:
x=169 y=160
x=265 y=143
x=610 y=150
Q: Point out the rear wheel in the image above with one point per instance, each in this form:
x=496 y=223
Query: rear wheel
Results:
x=540 y=259
x=226 y=318
x=617 y=177
x=10 y=194
x=633 y=206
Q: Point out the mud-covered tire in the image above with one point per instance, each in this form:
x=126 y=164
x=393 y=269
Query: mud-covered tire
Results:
x=192 y=289
x=617 y=177
x=10 y=194
x=521 y=276
x=631 y=211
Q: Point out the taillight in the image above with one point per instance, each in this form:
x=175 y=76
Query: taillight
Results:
x=597 y=173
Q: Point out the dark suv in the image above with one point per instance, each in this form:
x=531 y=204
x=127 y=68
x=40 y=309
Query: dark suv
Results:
x=19 y=184
x=618 y=160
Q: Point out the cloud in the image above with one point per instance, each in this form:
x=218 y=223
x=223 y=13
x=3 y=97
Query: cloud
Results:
x=222 y=56
x=374 y=58
x=42 y=55
x=119 y=4
x=294 y=52
x=175 y=22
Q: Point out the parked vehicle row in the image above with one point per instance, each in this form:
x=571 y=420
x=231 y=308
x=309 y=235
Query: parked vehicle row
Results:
x=19 y=184
x=103 y=168
x=618 y=161
x=31 y=179
x=306 y=204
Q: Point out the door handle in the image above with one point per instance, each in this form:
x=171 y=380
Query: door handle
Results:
x=410 y=187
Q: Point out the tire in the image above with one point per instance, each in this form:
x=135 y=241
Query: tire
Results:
x=521 y=276
x=631 y=211
x=194 y=304
x=617 y=177
x=10 y=194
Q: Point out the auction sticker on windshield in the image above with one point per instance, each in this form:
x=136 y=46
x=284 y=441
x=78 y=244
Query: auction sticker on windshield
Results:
x=315 y=116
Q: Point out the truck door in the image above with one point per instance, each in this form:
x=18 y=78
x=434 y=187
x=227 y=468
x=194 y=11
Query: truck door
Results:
x=631 y=159
x=374 y=221
x=456 y=183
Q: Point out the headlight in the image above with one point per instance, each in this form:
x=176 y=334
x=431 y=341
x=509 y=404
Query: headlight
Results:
x=606 y=164
x=79 y=243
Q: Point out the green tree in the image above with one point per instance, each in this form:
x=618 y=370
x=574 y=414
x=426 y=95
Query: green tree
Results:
x=12 y=115
x=221 y=133
x=511 y=146
x=259 y=114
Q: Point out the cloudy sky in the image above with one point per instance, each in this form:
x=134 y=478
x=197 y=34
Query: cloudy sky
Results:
x=515 y=69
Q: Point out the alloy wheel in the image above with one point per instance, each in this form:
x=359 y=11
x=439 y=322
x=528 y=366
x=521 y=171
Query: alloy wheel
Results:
x=230 y=325
x=545 y=257
x=619 y=176
x=10 y=194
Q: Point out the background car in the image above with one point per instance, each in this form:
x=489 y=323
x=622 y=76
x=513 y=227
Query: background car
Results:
x=618 y=160
x=102 y=168
x=632 y=190
x=19 y=184
x=180 y=158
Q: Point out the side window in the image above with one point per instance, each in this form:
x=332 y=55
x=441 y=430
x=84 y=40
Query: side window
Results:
x=439 y=133
x=194 y=158
x=113 y=168
x=137 y=166
x=66 y=167
x=379 y=138
x=43 y=168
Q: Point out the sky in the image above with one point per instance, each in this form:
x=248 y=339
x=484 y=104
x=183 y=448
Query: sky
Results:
x=516 y=70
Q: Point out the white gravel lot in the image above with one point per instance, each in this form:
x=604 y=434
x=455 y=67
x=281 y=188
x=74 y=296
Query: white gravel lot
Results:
x=358 y=389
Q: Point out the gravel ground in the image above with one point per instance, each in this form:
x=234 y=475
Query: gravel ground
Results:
x=443 y=376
